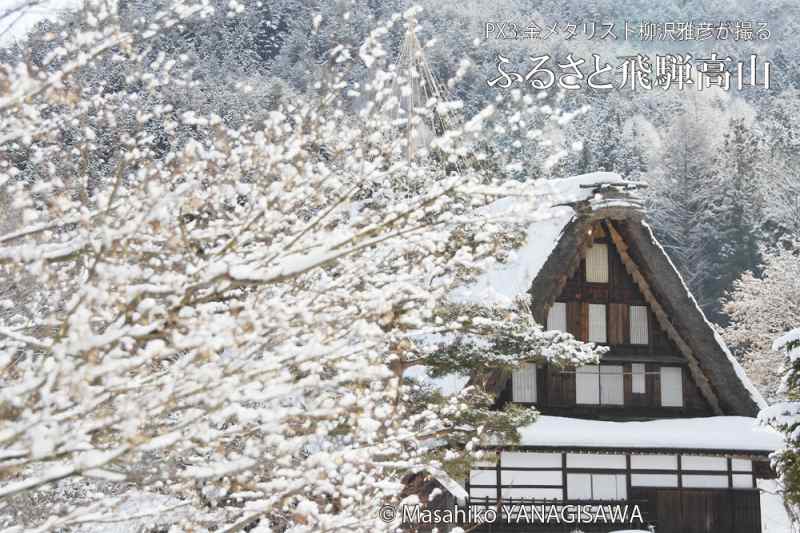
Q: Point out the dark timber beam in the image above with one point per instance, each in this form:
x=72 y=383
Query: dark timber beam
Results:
x=694 y=367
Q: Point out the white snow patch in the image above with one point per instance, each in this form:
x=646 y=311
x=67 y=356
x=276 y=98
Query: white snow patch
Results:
x=450 y=485
x=786 y=339
x=709 y=433
x=774 y=518
x=514 y=277
x=447 y=385
x=138 y=511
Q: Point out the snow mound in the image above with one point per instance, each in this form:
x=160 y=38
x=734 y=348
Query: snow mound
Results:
x=710 y=433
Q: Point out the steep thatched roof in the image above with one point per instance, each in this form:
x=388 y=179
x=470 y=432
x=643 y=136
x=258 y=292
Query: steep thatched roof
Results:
x=720 y=378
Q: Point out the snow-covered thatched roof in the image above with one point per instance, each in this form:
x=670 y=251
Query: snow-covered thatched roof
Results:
x=553 y=250
x=513 y=278
x=730 y=433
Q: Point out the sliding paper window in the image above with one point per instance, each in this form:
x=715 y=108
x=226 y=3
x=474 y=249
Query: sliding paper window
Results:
x=638 y=324
x=597 y=264
x=596 y=486
x=597 y=323
x=557 y=317
x=671 y=386
x=599 y=385
x=523 y=383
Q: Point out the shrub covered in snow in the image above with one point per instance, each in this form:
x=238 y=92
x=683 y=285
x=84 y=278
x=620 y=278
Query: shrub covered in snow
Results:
x=785 y=416
x=226 y=314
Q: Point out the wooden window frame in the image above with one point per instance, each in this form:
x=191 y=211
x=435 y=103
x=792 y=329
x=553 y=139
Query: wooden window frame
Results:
x=646 y=325
x=604 y=313
x=608 y=263
x=682 y=394
x=536 y=371
x=599 y=376
x=628 y=471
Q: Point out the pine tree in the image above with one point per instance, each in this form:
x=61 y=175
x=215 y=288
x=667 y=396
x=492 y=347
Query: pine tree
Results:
x=734 y=211
x=678 y=202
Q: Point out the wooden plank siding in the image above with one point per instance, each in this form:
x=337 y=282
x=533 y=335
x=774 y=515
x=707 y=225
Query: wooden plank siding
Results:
x=702 y=510
x=574 y=320
x=617 y=320
x=679 y=509
x=558 y=396
x=557 y=388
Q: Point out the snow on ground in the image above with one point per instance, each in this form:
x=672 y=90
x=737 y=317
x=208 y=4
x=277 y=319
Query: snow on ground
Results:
x=710 y=433
x=774 y=518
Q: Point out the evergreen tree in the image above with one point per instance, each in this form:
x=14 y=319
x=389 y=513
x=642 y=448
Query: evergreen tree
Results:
x=678 y=202
x=785 y=416
x=733 y=213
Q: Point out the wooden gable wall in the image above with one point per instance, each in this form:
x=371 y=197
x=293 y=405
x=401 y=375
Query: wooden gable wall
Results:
x=557 y=387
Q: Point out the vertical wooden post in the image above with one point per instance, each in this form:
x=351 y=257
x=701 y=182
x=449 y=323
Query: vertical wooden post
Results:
x=730 y=472
x=499 y=478
x=627 y=476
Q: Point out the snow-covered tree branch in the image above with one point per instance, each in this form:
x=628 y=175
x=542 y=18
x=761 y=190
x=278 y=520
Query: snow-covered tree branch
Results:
x=761 y=307
x=223 y=314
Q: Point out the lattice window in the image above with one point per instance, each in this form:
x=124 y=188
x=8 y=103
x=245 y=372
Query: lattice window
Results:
x=671 y=386
x=524 y=383
x=638 y=321
x=638 y=382
x=597 y=323
x=557 y=317
x=597 y=263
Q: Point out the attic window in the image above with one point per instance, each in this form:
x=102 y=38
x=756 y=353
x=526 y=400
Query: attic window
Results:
x=597 y=263
x=599 y=385
x=557 y=317
x=523 y=383
x=597 y=323
x=638 y=378
x=671 y=386
x=587 y=385
x=638 y=320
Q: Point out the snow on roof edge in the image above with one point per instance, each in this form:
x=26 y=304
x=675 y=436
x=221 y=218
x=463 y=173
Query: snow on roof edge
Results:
x=500 y=283
x=734 y=433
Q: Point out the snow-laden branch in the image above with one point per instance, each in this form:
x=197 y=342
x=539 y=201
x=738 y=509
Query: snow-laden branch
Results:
x=224 y=312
